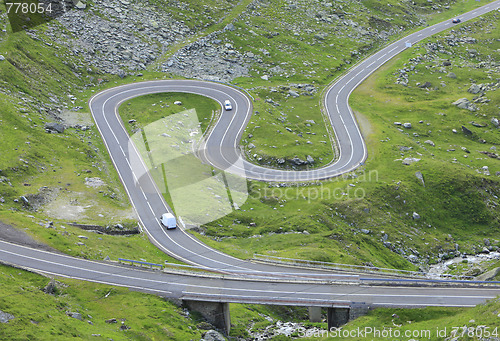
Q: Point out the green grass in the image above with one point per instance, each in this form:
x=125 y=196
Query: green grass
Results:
x=295 y=130
x=151 y=108
x=149 y=317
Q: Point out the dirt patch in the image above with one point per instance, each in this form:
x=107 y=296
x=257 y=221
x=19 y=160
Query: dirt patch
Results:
x=11 y=234
x=94 y=182
x=73 y=118
x=364 y=124
x=44 y=196
x=66 y=207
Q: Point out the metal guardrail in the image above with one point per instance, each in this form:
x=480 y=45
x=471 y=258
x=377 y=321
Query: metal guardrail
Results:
x=290 y=277
x=433 y=282
x=348 y=267
x=132 y=262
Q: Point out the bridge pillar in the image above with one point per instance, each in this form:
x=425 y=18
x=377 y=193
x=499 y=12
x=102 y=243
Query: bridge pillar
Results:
x=315 y=314
x=216 y=313
x=337 y=317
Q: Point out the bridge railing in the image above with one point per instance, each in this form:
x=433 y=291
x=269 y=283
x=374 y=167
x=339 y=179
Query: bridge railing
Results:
x=276 y=300
x=349 y=267
x=237 y=274
x=141 y=263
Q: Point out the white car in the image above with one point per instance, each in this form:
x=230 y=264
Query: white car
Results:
x=168 y=220
x=227 y=105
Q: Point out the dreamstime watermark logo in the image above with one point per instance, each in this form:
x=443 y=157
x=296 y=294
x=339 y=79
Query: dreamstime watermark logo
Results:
x=25 y=14
x=198 y=192
x=172 y=151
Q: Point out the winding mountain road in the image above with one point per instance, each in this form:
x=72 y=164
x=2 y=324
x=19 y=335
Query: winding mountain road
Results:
x=221 y=150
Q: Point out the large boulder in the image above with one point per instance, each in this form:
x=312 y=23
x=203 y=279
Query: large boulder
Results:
x=5 y=317
x=474 y=89
x=229 y=27
x=464 y=103
x=213 y=335
x=409 y=160
x=298 y=162
x=467 y=131
x=53 y=127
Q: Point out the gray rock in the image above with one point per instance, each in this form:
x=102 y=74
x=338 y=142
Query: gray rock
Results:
x=50 y=288
x=413 y=258
x=464 y=103
x=397 y=123
x=489 y=275
x=451 y=75
x=297 y=161
x=178 y=103
x=365 y=231
x=5 y=317
x=213 y=335
x=474 y=89
x=77 y=316
x=2 y=58
x=407 y=125
x=430 y=143
x=80 y=5
x=54 y=127
x=466 y=131
x=309 y=159
x=230 y=27
x=280 y=161
x=426 y=85
x=265 y=77
x=495 y=122
x=420 y=176
x=409 y=160
x=415 y=216
x=293 y=93
x=251 y=146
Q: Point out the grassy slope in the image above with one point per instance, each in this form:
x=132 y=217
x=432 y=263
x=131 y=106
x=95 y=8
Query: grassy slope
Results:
x=149 y=317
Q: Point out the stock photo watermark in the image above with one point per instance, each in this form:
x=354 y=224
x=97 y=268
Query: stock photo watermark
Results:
x=375 y=333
